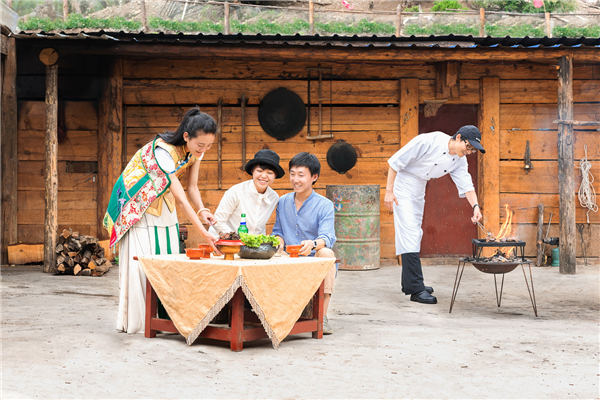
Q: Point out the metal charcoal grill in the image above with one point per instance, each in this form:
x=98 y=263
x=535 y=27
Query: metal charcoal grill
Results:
x=496 y=267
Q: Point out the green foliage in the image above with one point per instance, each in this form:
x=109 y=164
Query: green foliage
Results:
x=525 y=6
x=447 y=5
x=412 y=9
x=573 y=31
x=251 y=240
x=184 y=26
x=514 y=31
x=76 y=21
x=363 y=26
x=440 y=29
x=521 y=30
x=269 y=28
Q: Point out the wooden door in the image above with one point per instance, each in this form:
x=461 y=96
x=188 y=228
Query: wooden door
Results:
x=447 y=227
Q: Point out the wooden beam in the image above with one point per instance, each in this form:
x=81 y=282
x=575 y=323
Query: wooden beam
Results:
x=566 y=176
x=295 y=53
x=409 y=110
x=110 y=138
x=8 y=145
x=49 y=57
x=489 y=163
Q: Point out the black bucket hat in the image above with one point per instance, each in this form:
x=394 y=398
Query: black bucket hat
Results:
x=266 y=157
x=472 y=135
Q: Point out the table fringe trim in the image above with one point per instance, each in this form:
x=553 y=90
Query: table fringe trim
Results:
x=225 y=298
x=261 y=316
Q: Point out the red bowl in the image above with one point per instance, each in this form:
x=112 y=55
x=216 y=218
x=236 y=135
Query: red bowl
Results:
x=196 y=254
x=293 y=249
x=229 y=243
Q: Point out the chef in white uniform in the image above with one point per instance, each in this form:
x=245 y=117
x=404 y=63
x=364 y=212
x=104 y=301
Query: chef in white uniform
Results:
x=427 y=156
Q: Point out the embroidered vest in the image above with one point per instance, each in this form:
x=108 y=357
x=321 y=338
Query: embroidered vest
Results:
x=142 y=185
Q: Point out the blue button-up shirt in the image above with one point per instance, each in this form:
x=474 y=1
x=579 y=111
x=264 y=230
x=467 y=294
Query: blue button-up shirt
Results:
x=314 y=220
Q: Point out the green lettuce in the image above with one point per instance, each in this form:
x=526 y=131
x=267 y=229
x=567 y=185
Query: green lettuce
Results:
x=251 y=240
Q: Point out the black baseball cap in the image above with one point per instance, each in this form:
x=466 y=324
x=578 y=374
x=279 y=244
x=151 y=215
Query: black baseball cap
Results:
x=472 y=135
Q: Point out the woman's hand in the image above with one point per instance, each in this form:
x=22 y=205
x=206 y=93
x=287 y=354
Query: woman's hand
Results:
x=210 y=239
x=389 y=200
x=307 y=246
x=207 y=217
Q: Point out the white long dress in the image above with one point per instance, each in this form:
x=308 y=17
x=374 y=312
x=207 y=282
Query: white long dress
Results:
x=425 y=157
x=151 y=235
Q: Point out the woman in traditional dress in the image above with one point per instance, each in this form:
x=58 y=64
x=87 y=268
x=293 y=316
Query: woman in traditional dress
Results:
x=253 y=197
x=141 y=216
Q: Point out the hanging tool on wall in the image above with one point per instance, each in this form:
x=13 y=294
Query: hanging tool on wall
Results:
x=243 y=102
x=320 y=99
x=220 y=142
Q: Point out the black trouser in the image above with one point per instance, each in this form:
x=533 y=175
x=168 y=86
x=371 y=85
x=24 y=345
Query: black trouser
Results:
x=412 y=274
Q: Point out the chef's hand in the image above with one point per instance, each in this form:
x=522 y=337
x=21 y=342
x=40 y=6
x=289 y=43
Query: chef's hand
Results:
x=476 y=215
x=307 y=246
x=389 y=200
x=207 y=217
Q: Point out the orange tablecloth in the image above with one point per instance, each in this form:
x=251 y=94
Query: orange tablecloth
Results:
x=194 y=291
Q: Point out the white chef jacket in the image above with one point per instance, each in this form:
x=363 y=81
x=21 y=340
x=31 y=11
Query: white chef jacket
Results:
x=424 y=157
x=244 y=198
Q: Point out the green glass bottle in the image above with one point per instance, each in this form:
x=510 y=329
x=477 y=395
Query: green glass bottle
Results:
x=243 y=228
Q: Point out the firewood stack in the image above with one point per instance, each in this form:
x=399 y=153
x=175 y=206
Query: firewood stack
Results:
x=80 y=255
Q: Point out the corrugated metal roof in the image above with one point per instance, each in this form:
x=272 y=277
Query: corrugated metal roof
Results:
x=449 y=41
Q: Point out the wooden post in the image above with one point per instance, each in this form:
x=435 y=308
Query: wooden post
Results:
x=540 y=236
x=489 y=163
x=144 y=17
x=548 y=24
x=8 y=146
x=65 y=9
x=399 y=20
x=226 y=18
x=409 y=109
x=482 y=22
x=311 y=16
x=49 y=58
x=110 y=138
x=566 y=174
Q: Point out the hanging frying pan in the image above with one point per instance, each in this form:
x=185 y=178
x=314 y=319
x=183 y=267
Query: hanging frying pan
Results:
x=281 y=113
x=341 y=156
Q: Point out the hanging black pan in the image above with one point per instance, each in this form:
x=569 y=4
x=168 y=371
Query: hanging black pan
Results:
x=341 y=156
x=282 y=113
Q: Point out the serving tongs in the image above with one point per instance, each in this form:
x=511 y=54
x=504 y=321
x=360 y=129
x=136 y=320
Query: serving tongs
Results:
x=489 y=236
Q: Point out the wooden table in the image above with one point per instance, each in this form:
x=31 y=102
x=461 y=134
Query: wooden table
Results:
x=238 y=331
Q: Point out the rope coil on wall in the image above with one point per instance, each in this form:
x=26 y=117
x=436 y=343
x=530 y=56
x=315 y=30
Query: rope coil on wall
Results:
x=586 y=194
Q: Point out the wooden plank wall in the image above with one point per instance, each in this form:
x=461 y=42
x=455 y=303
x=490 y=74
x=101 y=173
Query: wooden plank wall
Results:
x=365 y=112
x=76 y=191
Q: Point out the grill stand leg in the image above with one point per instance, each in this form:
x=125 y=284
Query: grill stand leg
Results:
x=457 y=279
x=499 y=296
x=530 y=291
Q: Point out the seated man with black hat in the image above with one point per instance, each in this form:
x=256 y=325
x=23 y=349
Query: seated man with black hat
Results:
x=253 y=197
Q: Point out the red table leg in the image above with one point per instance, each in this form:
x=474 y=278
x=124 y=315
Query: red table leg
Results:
x=236 y=341
x=151 y=306
x=318 y=311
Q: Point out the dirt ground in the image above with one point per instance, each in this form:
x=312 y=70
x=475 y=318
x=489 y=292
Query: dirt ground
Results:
x=58 y=341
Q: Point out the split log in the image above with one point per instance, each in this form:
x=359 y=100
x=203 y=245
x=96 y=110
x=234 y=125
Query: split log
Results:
x=80 y=255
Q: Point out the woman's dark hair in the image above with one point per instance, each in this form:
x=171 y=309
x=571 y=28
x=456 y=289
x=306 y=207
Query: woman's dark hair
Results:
x=307 y=160
x=193 y=121
x=263 y=167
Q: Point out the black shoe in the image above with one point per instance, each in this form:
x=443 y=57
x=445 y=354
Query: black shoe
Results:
x=423 y=297
x=429 y=289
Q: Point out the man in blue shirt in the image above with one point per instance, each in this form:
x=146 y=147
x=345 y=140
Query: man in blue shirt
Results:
x=306 y=218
